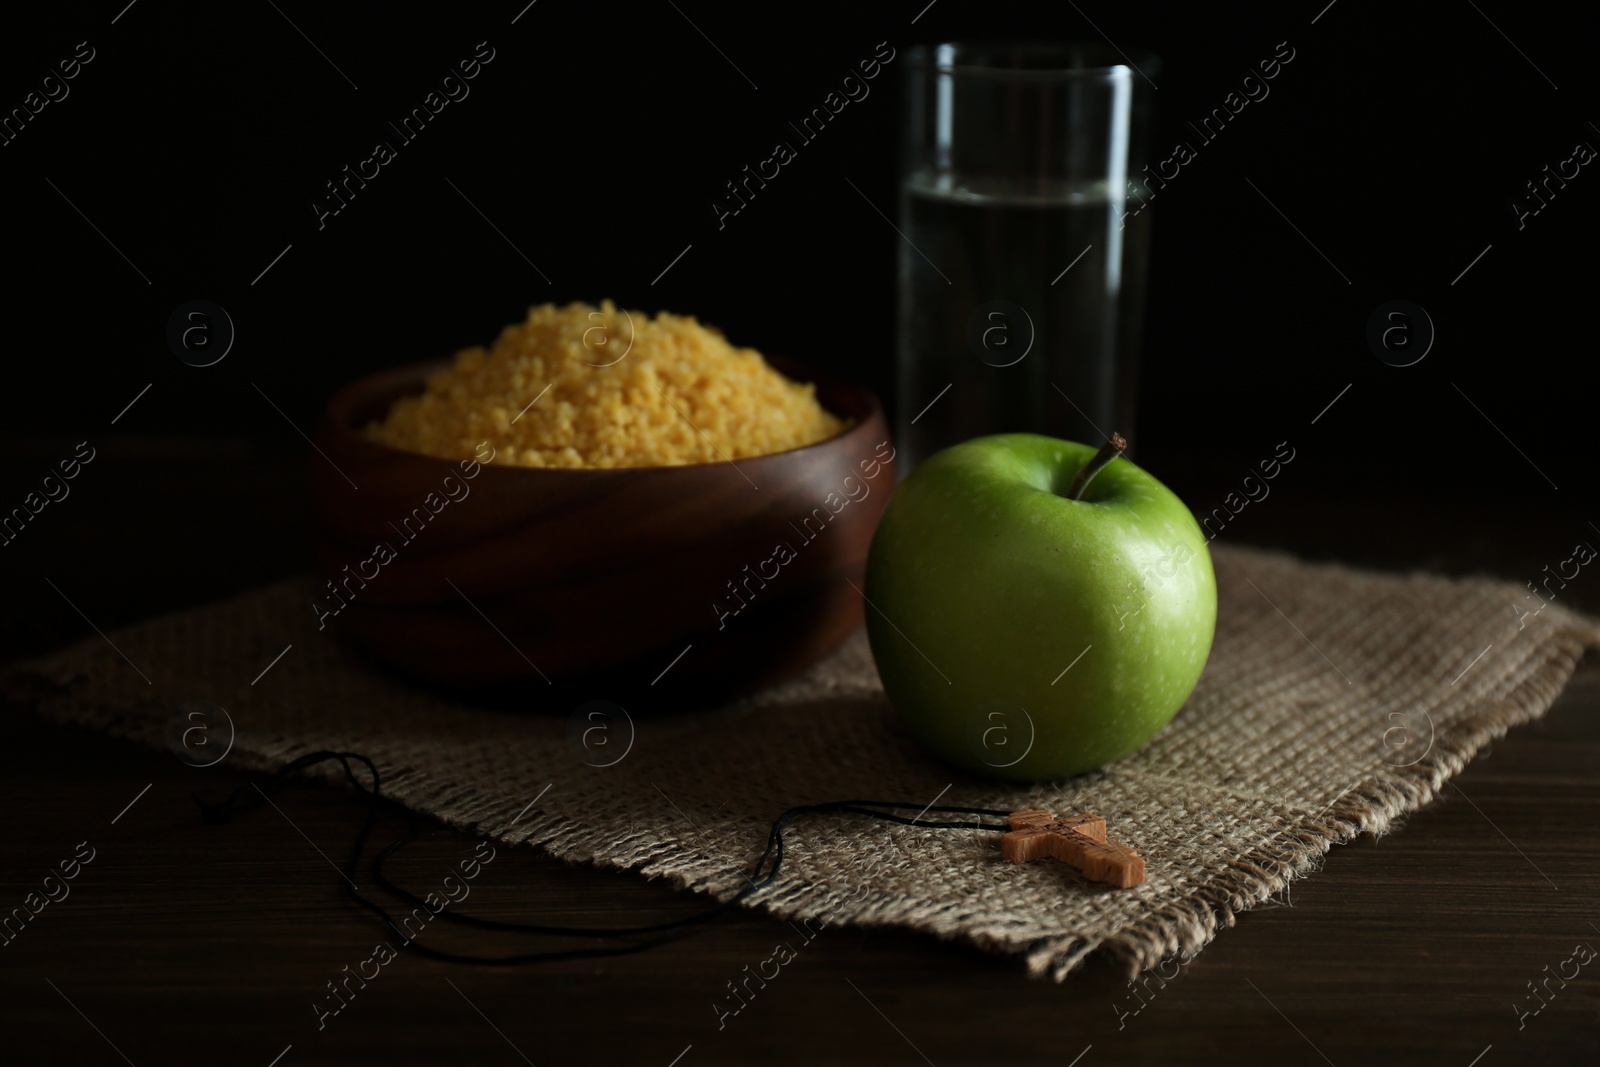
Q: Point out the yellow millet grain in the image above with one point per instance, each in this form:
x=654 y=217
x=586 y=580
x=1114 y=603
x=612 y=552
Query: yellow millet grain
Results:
x=557 y=391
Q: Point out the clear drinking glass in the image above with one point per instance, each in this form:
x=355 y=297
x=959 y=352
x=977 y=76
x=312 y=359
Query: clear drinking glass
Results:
x=1021 y=283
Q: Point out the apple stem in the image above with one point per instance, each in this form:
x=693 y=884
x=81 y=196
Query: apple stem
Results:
x=1108 y=452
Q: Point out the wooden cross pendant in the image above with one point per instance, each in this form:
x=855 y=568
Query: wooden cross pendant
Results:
x=1077 y=839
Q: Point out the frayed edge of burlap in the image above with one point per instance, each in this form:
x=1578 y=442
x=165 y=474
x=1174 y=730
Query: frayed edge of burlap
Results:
x=1180 y=930
x=1176 y=930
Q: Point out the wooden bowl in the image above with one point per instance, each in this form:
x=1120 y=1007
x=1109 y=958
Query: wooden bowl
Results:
x=673 y=585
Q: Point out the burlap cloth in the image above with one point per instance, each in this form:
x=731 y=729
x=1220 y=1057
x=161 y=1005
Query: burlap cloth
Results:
x=1334 y=702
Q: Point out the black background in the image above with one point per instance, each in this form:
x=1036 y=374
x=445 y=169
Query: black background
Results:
x=595 y=140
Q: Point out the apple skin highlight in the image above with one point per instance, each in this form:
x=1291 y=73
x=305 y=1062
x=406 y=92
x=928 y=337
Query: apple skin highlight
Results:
x=1084 y=624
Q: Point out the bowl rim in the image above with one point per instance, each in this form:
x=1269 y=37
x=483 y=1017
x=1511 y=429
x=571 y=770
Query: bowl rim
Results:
x=337 y=421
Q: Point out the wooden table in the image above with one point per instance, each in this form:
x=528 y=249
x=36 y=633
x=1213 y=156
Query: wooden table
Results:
x=183 y=942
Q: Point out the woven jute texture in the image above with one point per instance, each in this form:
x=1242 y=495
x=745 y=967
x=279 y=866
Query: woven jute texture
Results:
x=1334 y=702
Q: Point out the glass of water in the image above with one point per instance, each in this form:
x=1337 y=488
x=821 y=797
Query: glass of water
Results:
x=1027 y=224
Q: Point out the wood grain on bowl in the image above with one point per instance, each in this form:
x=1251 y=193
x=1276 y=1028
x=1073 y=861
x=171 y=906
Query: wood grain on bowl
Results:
x=592 y=583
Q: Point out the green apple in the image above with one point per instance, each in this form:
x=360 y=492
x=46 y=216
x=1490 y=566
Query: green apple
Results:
x=1037 y=608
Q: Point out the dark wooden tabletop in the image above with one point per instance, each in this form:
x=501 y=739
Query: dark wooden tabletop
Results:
x=183 y=942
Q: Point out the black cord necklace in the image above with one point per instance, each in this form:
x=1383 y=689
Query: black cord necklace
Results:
x=633 y=938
